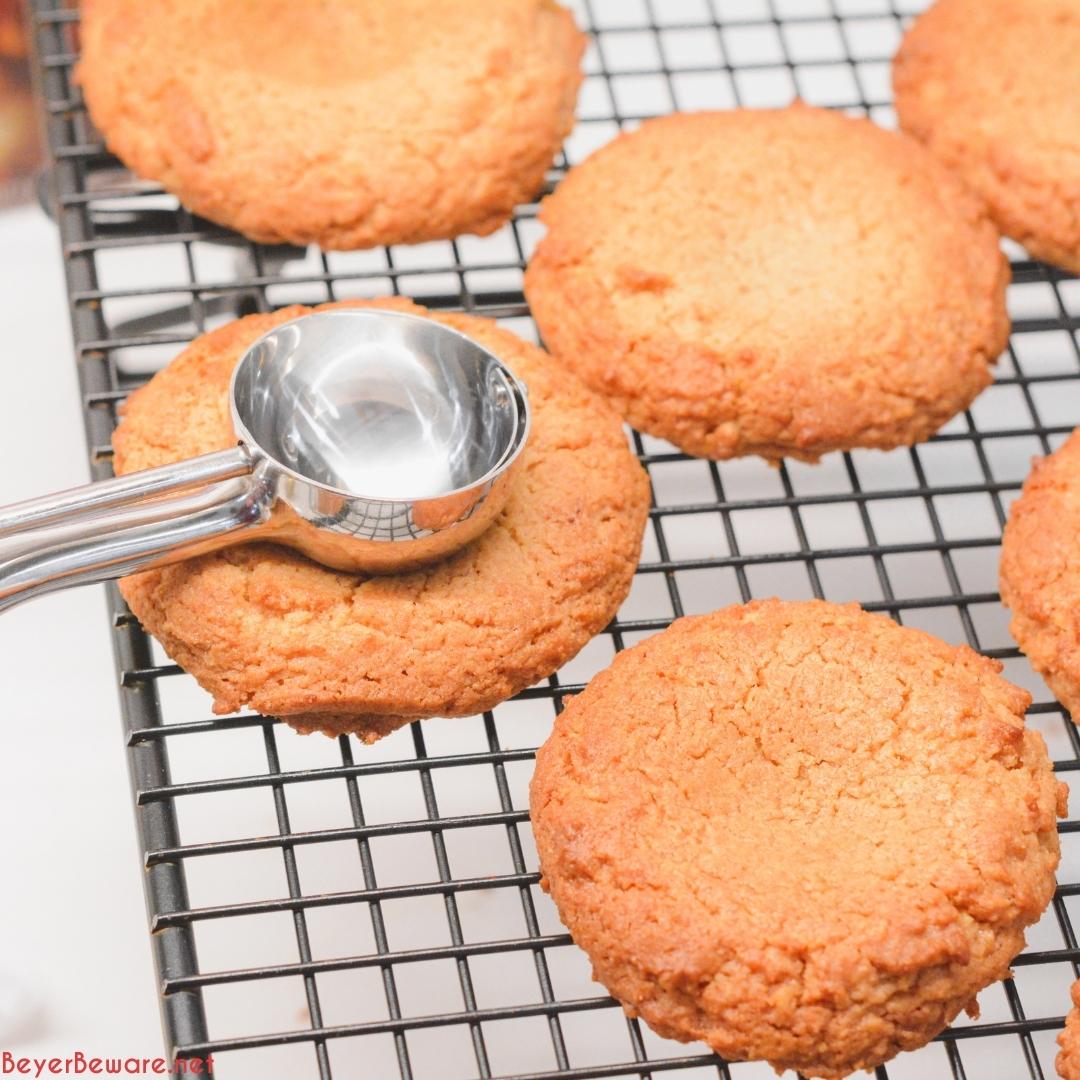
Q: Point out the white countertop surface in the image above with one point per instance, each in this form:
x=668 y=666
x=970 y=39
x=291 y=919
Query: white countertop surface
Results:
x=74 y=948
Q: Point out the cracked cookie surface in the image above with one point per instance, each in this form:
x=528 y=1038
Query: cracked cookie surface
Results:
x=1068 y=1060
x=349 y=123
x=781 y=283
x=262 y=626
x=992 y=87
x=797 y=832
x=1040 y=570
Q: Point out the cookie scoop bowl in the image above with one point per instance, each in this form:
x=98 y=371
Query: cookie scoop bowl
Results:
x=371 y=440
x=420 y=418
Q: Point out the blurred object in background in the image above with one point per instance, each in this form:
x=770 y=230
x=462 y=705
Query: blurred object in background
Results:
x=20 y=147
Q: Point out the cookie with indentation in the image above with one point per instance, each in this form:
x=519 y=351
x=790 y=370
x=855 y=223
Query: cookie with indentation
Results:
x=797 y=832
x=262 y=626
x=992 y=87
x=1040 y=570
x=348 y=123
x=781 y=283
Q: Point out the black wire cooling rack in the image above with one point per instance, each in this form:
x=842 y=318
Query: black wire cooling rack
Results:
x=319 y=908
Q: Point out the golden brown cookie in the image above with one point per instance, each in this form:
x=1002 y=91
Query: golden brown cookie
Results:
x=992 y=87
x=1068 y=1061
x=797 y=832
x=262 y=626
x=782 y=283
x=349 y=123
x=1040 y=570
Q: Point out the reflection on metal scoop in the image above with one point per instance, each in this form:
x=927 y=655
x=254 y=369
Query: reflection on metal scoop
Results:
x=371 y=440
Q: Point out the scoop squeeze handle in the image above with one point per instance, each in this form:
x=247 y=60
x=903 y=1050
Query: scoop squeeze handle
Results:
x=134 y=522
x=369 y=440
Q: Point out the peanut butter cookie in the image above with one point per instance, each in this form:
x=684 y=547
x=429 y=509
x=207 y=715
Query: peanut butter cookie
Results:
x=1040 y=570
x=1068 y=1061
x=798 y=832
x=262 y=626
x=347 y=123
x=781 y=283
x=992 y=87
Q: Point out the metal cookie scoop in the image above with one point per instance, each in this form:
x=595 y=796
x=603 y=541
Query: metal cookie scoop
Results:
x=371 y=440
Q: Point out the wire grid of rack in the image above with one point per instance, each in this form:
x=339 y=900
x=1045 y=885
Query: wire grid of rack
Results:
x=320 y=908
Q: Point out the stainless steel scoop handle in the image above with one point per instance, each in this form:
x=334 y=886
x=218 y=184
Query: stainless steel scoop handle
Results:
x=123 y=490
x=371 y=441
x=115 y=527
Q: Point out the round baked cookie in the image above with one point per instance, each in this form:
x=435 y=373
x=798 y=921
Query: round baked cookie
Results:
x=262 y=626
x=1040 y=570
x=797 y=832
x=993 y=89
x=781 y=283
x=349 y=123
x=1068 y=1061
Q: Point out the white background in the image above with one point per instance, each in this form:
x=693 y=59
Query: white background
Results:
x=73 y=943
